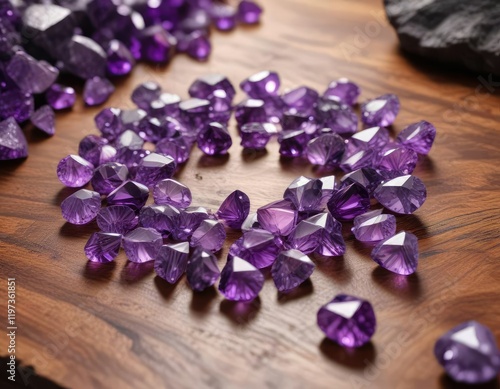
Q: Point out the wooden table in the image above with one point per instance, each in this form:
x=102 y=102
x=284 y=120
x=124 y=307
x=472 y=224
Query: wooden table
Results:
x=119 y=326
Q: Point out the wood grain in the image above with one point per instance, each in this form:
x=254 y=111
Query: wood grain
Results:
x=119 y=326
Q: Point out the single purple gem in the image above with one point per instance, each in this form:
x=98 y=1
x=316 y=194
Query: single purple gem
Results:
x=162 y=218
x=109 y=122
x=220 y=106
x=129 y=193
x=157 y=44
x=142 y=244
x=261 y=85
x=194 y=112
x=167 y=104
x=234 y=209
x=278 y=217
x=13 y=144
x=188 y=221
x=172 y=192
x=202 y=270
x=325 y=150
x=97 y=90
x=302 y=99
x=198 y=46
x=258 y=247
x=81 y=207
x=418 y=137
x=381 y=111
x=375 y=228
x=15 y=103
x=292 y=120
x=223 y=16
x=256 y=135
x=348 y=202
x=210 y=235
x=358 y=160
x=240 y=280
x=118 y=219
x=120 y=60
x=74 y=171
x=249 y=12
x=214 y=139
x=83 y=57
x=398 y=253
x=44 y=119
x=96 y=150
x=155 y=167
x=345 y=90
x=340 y=118
x=109 y=176
x=397 y=162
x=293 y=143
x=30 y=75
x=204 y=87
x=403 y=194
x=274 y=108
x=103 y=247
x=250 y=111
x=176 y=148
x=291 y=269
x=347 y=320
x=250 y=223
x=305 y=193
x=171 y=261
x=371 y=138
x=146 y=93
x=367 y=177
x=60 y=96
x=469 y=353
x=131 y=158
x=129 y=139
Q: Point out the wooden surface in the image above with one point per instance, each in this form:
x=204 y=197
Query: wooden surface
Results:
x=119 y=326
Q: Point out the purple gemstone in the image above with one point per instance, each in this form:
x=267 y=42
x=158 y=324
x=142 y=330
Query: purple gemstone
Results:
x=274 y=108
x=133 y=119
x=256 y=135
x=328 y=188
x=130 y=193
x=397 y=162
x=13 y=144
x=250 y=223
x=301 y=99
x=258 y=247
x=278 y=217
x=30 y=75
x=96 y=150
x=60 y=96
x=204 y=87
x=291 y=269
x=44 y=119
x=305 y=193
x=371 y=138
x=469 y=353
x=374 y=229
x=198 y=46
x=167 y=104
x=103 y=247
x=223 y=16
x=131 y=158
x=176 y=148
x=250 y=111
x=97 y=90
x=129 y=139
x=120 y=60
x=83 y=57
x=108 y=177
x=194 y=112
x=188 y=221
x=118 y=219
x=142 y=244
x=171 y=261
x=214 y=139
x=172 y=192
x=340 y=118
x=81 y=207
x=74 y=171
x=162 y=218
x=157 y=44
x=109 y=122
x=240 y=280
x=381 y=111
x=292 y=120
x=249 y=12
x=367 y=177
x=345 y=90
x=144 y=94
x=261 y=85
x=398 y=253
x=293 y=143
x=202 y=270
x=153 y=168
x=347 y=320
x=234 y=209
x=16 y=104
x=325 y=150
x=348 y=202
x=418 y=137
x=403 y=194
x=210 y=235
x=358 y=160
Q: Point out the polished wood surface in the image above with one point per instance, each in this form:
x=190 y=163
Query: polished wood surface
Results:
x=119 y=326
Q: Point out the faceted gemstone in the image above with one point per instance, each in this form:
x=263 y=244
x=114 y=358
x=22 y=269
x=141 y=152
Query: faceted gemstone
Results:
x=397 y=162
x=103 y=247
x=340 y=118
x=249 y=12
x=30 y=75
x=97 y=90
x=109 y=176
x=347 y=320
x=250 y=111
x=359 y=160
x=301 y=99
x=403 y=194
x=210 y=235
x=15 y=103
x=327 y=190
x=109 y=122
x=261 y=85
x=305 y=193
x=278 y=217
x=250 y=223
x=367 y=177
x=214 y=139
x=133 y=119
x=130 y=193
x=374 y=229
x=167 y=104
x=258 y=247
x=142 y=244
x=129 y=139
x=118 y=219
x=171 y=261
x=120 y=60
x=60 y=97
x=345 y=90
x=172 y=192
x=223 y=16
x=291 y=269
x=194 y=112
x=188 y=221
x=157 y=44
x=234 y=209
x=293 y=143
x=205 y=86
x=292 y=120
x=274 y=108
x=155 y=167
x=325 y=150
x=162 y=218
x=202 y=270
x=44 y=119
x=418 y=137
x=398 y=253
x=381 y=111
x=144 y=94
x=199 y=46
x=469 y=353
x=131 y=158
x=83 y=57
x=348 y=202
x=81 y=207
x=176 y=148
x=96 y=150
x=371 y=138
x=256 y=135
x=240 y=280
x=13 y=143
x=74 y=171
x=197 y=19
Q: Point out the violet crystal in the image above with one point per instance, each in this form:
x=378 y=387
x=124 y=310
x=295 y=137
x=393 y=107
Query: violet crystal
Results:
x=142 y=244
x=103 y=247
x=325 y=150
x=381 y=111
x=172 y=192
x=171 y=261
x=418 y=137
x=234 y=209
x=278 y=217
x=258 y=247
x=261 y=85
x=97 y=90
x=240 y=281
x=13 y=144
x=44 y=119
x=81 y=207
x=291 y=269
x=348 y=202
x=155 y=167
x=374 y=229
x=403 y=194
x=74 y=171
x=214 y=139
x=109 y=176
x=202 y=270
x=398 y=254
x=60 y=96
x=130 y=193
x=118 y=219
x=210 y=235
x=345 y=90
x=305 y=193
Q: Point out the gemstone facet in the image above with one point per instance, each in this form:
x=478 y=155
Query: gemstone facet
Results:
x=142 y=244
x=210 y=235
x=291 y=269
x=103 y=247
x=202 y=270
x=74 y=171
x=403 y=194
x=81 y=207
x=398 y=254
x=234 y=209
x=171 y=261
x=240 y=281
x=118 y=219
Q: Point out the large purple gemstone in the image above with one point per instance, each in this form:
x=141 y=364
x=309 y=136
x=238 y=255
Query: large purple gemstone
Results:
x=172 y=192
x=188 y=221
x=30 y=75
x=83 y=57
x=13 y=144
x=103 y=247
x=234 y=209
x=214 y=139
x=343 y=89
x=155 y=167
x=240 y=280
x=325 y=150
x=374 y=229
x=249 y=12
x=261 y=85
x=305 y=193
x=381 y=111
x=142 y=244
x=108 y=177
x=301 y=99
x=157 y=44
x=74 y=171
x=210 y=235
x=397 y=162
x=278 y=217
x=130 y=193
x=291 y=269
x=256 y=135
x=348 y=202
x=398 y=254
x=250 y=111
x=202 y=270
x=259 y=247
x=403 y=194
x=118 y=219
x=60 y=96
x=418 y=136
x=44 y=119
x=81 y=207
x=97 y=90
x=162 y=218
x=171 y=261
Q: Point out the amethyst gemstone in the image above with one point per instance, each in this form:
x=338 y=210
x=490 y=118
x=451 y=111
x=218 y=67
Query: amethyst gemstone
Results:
x=340 y=118
x=418 y=137
x=328 y=188
x=348 y=202
x=397 y=162
x=205 y=86
x=144 y=94
x=108 y=177
x=278 y=217
x=83 y=57
x=234 y=209
x=162 y=218
x=261 y=85
x=157 y=45
x=326 y=150
x=118 y=219
x=120 y=60
x=13 y=144
x=13 y=102
x=177 y=148
x=30 y=75
x=305 y=193
x=155 y=167
x=240 y=280
x=103 y=247
x=109 y=122
x=202 y=270
x=210 y=235
x=194 y=112
x=367 y=177
x=301 y=99
x=293 y=143
x=214 y=139
x=172 y=192
x=345 y=90
x=74 y=171
x=167 y=104
x=347 y=320
x=374 y=229
x=129 y=139
x=291 y=269
x=250 y=223
x=97 y=90
x=258 y=247
x=60 y=96
x=249 y=12
x=381 y=111
x=81 y=207
x=96 y=150
x=256 y=135
x=142 y=244
x=171 y=261
x=403 y=194
x=130 y=193
x=44 y=119
x=371 y=138
x=358 y=160
x=199 y=46
x=250 y=111
x=223 y=16
x=188 y=221
x=131 y=158
x=398 y=254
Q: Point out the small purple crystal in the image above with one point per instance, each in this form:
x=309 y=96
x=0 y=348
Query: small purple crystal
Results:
x=371 y=138
x=250 y=111
x=240 y=281
x=171 y=261
x=188 y=221
x=130 y=193
x=358 y=160
x=162 y=218
x=340 y=118
x=198 y=46
x=418 y=137
x=194 y=112
x=214 y=139
x=293 y=143
x=261 y=85
x=210 y=235
x=345 y=90
x=177 y=148
x=166 y=105
x=81 y=207
x=291 y=269
x=223 y=16
x=157 y=44
x=15 y=103
x=44 y=119
x=256 y=135
x=202 y=270
x=30 y=75
x=97 y=90
x=120 y=60
x=60 y=96
x=398 y=254
x=326 y=150
x=172 y=192
x=381 y=111
x=367 y=177
x=301 y=99
x=103 y=247
x=305 y=193
x=403 y=194
x=348 y=202
x=118 y=219
x=144 y=94
x=83 y=57
x=109 y=122
x=153 y=168
x=74 y=171
x=397 y=162
x=142 y=244
x=374 y=229
x=258 y=247
x=13 y=144
x=205 y=86
x=234 y=209
x=109 y=176
x=278 y=217
x=249 y=12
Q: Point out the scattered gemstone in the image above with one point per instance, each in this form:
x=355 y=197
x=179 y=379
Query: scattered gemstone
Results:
x=291 y=269
x=250 y=223
x=120 y=60
x=60 y=96
x=162 y=218
x=153 y=168
x=293 y=143
x=278 y=217
x=418 y=137
x=326 y=150
x=144 y=94
x=130 y=193
x=30 y=75
x=188 y=221
x=171 y=261
x=301 y=99
x=142 y=244
x=234 y=209
x=210 y=235
x=199 y=46
x=250 y=111
x=249 y=12
x=381 y=111
x=172 y=192
x=157 y=44
x=371 y=138
x=256 y=135
x=398 y=254
x=129 y=139
x=258 y=247
x=44 y=119
x=202 y=270
x=214 y=139
x=13 y=144
x=81 y=207
x=118 y=219
x=348 y=202
x=103 y=247
x=261 y=85
x=205 y=86
x=345 y=90
x=375 y=228
x=402 y=195
x=74 y=171
x=97 y=90
x=109 y=122
x=240 y=280
x=367 y=177
x=359 y=160
x=340 y=118
x=305 y=193
x=397 y=162
x=109 y=176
